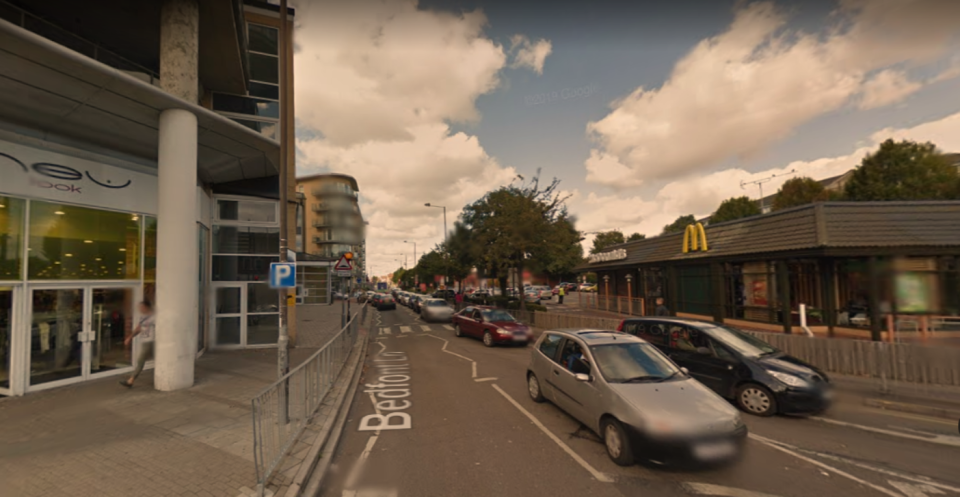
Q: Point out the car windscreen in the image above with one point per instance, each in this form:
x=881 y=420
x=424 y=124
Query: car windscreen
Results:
x=497 y=315
x=386 y=299
x=632 y=361
x=743 y=343
x=436 y=303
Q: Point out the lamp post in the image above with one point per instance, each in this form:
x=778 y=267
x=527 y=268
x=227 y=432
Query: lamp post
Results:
x=444 y=233
x=416 y=280
x=630 y=293
x=606 y=286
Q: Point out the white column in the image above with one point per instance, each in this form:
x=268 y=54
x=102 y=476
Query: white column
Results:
x=177 y=306
x=175 y=348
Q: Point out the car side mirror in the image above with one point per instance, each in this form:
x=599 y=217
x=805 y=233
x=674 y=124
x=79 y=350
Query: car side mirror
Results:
x=685 y=371
x=582 y=377
x=703 y=350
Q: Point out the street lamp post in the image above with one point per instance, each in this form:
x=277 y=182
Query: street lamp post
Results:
x=416 y=279
x=444 y=235
x=630 y=293
x=606 y=286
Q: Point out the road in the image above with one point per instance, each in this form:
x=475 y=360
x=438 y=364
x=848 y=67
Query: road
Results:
x=461 y=424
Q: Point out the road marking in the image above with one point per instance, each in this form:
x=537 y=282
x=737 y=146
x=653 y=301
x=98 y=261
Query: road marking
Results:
x=717 y=490
x=916 y=417
x=771 y=443
x=448 y=327
x=358 y=465
x=576 y=457
x=405 y=329
x=884 y=471
x=485 y=379
x=937 y=439
x=914 y=490
x=384 y=331
x=474 y=370
x=425 y=327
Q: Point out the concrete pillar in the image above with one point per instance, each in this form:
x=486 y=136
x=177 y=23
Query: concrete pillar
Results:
x=177 y=305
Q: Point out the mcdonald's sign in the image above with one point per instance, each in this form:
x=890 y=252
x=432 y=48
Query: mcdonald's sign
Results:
x=694 y=239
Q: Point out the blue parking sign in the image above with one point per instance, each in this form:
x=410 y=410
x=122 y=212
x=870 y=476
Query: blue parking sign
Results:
x=283 y=275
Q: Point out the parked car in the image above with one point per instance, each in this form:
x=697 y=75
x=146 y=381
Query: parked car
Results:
x=493 y=326
x=532 y=296
x=588 y=287
x=634 y=397
x=444 y=294
x=479 y=296
x=436 y=310
x=570 y=287
x=415 y=301
x=760 y=379
x=544 y=291
x=385 y=302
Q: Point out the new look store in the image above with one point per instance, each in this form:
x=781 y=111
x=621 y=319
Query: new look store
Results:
x=78 y=237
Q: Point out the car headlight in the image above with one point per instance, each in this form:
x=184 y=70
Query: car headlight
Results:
x=789 y=379
x=504 y=332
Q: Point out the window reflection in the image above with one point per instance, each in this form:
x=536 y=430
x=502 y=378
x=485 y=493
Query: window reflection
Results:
x=77 y=243
x=11 y=237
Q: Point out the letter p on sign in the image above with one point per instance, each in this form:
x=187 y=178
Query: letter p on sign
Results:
x=283 y=275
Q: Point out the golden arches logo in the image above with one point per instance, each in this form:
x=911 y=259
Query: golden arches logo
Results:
x=695 y=238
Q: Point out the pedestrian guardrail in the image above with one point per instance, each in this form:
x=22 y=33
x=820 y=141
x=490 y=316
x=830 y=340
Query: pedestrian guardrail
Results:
x=901 y=362
x=282 y=410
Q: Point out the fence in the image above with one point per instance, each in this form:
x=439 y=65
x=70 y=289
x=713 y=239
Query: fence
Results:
x=281 y=411
x=903 y=362
x=634 y=306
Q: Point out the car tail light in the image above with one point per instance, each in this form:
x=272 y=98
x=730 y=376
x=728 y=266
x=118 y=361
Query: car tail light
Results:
x=620 y=326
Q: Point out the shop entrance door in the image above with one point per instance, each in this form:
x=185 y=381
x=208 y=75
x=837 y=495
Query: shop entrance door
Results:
x=78 y=332
x=246 y=314
x=7 y=309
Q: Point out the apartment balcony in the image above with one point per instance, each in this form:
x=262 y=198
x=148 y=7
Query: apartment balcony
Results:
x=347 y=206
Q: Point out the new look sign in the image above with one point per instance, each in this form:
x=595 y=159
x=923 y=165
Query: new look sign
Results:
x=37 y=173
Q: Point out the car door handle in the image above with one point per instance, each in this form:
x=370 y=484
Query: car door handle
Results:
x=556 y=372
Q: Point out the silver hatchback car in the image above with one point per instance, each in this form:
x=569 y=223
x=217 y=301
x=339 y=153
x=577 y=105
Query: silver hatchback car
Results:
x=640 y=403
x=436 y=310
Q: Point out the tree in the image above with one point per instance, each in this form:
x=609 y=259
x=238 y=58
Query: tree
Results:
x=799 y=191
x=904 y=170
x=636 y=236
x=605 y=239
x=679 y=224
x=735 y=208
x=460 y=250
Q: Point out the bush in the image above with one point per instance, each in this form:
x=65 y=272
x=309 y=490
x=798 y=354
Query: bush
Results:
x=515 y=304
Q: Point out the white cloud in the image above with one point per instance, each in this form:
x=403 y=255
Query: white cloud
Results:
x=379 y=83
x=527 y=54
x=887 y=87
x=738 y=92
x=701 y=194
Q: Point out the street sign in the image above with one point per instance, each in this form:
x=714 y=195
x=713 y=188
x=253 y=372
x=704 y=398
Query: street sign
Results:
x=344 y=267
x=359 y=280
x=283 y=275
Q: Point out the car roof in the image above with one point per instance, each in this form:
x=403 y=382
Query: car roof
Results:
x=678 y=320
x=597 y=336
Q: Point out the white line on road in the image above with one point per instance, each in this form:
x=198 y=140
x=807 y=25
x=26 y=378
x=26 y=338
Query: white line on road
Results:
x=484 y=379
x=576 y=457
x=448 y=327
x=425 y=327
x=719 y=491
x=937 y=439
x=405 y=329
x=452 y=353
x=771 y=443
x=474 y=370
x=358 y=465
x=384 y=331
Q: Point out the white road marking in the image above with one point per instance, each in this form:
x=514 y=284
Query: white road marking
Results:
x=485 y=379
x=449 y=352
x=937 y=439
x=576 y=457
x=425 y=327
x=405 y=329
x=474 y=370
x=771 y=443
x=358 y=465
x=384 y=331
x=717 y=490
x=911 y=490
x=448 y=327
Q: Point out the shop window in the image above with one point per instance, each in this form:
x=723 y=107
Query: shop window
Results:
x=245 y=240
x=694 y=294
x=78 y=243
x=149 y=249
x=247 y=211
x=242 y=267
x=11 y=237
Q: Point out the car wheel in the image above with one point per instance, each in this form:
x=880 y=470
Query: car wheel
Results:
x=533 y=388
x=756 y=399
x=616 y=441
x=488 y=339
x=456 y=330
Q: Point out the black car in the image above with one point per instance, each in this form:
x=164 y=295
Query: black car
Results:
x=415 y=302
x=385 y=302
x=761 y=379
x=444 y=294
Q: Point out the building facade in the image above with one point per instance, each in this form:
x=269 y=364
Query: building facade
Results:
x=333 y=223
x=859 y=269
x=132 y=170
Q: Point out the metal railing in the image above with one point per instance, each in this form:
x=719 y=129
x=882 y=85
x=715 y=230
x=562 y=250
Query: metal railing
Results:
x=281 y=411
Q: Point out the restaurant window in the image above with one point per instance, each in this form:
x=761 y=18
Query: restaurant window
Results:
x=11 y=237
x=79 y=243
x=806 y=288
x=853 y=293
x=695 y=289
x=751 y=291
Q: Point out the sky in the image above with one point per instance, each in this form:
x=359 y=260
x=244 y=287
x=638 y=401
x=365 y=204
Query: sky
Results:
x=644 y=110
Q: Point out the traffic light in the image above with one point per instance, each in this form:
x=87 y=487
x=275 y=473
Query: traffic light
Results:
x=348 y=255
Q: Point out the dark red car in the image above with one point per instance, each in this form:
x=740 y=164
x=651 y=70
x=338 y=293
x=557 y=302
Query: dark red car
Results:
x=493 y=326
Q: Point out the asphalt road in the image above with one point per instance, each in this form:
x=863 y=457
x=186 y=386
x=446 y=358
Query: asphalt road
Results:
x=463 y=425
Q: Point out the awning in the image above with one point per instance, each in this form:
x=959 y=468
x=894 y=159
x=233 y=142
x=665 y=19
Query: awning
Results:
x=52 y=91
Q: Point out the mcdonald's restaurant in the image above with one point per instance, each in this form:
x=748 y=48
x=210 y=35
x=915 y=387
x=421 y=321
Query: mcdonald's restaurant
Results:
x=868 y=270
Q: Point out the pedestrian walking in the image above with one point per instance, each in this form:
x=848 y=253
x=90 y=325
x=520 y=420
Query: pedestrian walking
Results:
x=560 y=294
x=661 y=309
x=145 y=330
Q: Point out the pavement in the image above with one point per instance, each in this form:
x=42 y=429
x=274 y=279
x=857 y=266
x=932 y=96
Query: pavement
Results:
x=100 y=439
x=460 y=422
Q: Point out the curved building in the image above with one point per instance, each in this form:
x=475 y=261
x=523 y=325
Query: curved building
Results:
x=333 y=224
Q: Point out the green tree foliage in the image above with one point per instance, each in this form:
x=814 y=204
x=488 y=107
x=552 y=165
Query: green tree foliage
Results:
x=904 y=170
x=735 y=208
x=679 y=225
x=636 y=236
x=799 y=191
x=461 y=252
x=605 y=239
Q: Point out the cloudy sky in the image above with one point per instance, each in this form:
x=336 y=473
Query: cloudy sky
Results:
x=646 y=110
